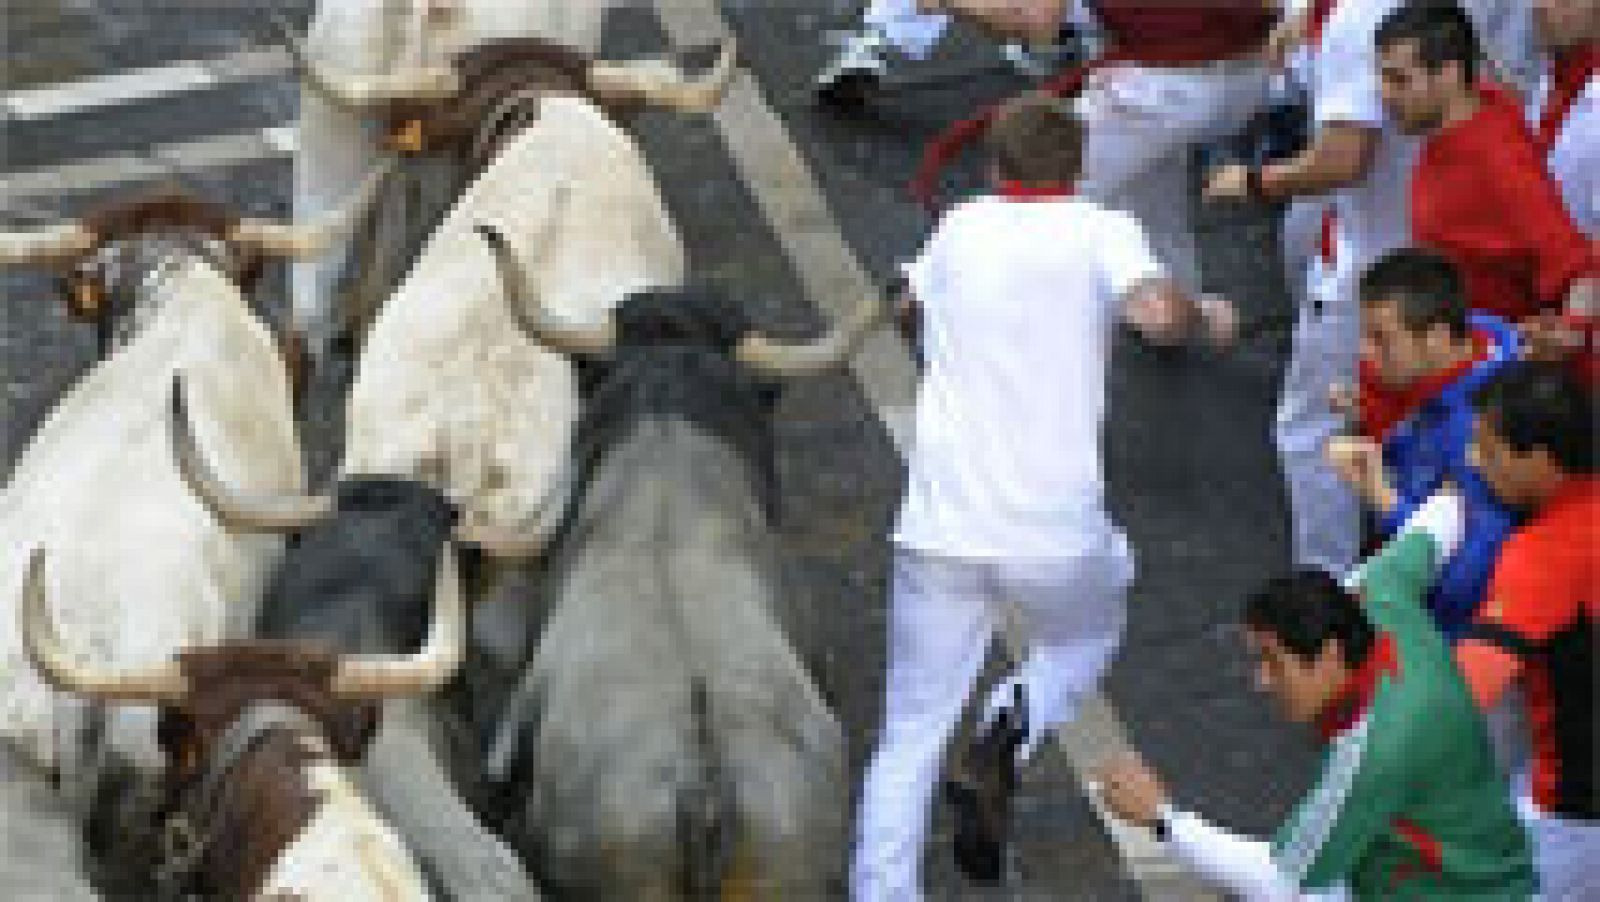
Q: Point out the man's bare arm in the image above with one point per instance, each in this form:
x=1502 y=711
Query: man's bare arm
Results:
x=1341 y=155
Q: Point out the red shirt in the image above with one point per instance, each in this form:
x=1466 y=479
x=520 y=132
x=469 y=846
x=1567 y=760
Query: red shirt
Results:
x=1542 y=606
x=1482 y=195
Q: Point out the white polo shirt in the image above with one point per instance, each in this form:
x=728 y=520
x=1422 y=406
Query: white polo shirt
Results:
x=1019 y=299
x=1373 y=215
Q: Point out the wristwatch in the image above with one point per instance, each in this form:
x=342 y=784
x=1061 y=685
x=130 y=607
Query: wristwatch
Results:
x=1163 y=822
x=1254 y=187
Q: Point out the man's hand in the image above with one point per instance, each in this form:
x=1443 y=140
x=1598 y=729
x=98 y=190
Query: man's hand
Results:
x=1032 y=21
x=1285 y=38
x=1221 y=320
x=1359 y=462
x=1230 y=182
x=1132 y=790
x=1345 y=400
x=1551 y=337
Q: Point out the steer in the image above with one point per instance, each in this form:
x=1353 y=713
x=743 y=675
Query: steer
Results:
x=666 y=742
x=446 y=390
x=357 y=580
x=143 y=569
x=370 y=37
x=256 y=737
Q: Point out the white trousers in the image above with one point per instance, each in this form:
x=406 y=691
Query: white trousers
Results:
x=1325 y=512
x=944 y=612
x=911 y=31
x=1142 y=123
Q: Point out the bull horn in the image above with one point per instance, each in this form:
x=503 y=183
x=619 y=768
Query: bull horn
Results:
x=529 y=314
x=662 y=83
x=157 y=683
x=776 y=358
x=387 y=676
x=283 y=514
x=61 y=240
x=314 y=238
x=360 y=93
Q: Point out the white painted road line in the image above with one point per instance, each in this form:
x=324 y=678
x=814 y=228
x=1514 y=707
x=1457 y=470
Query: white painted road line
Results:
x=134 y=85
x=85 y=176
x=789 y=197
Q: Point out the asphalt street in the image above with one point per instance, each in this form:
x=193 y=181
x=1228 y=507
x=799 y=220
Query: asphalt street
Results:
x=1194 y=480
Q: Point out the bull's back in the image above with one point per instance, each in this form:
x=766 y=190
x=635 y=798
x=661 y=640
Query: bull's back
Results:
x=137 y=567
x=448 y=390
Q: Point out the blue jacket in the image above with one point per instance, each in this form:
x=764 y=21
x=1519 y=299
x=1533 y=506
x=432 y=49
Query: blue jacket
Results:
x=1429 y=448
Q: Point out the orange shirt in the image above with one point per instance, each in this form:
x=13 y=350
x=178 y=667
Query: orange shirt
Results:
x=1542 y=605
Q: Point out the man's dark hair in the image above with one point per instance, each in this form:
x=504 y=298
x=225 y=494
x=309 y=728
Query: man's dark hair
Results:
x=1305 y=609
x=1443 y=33
x=1037 y=139
x=1425 y=287
x=1541 y=405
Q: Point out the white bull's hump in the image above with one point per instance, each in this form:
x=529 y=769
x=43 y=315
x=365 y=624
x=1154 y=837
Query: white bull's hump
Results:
x=137 y=567
x=448 y=390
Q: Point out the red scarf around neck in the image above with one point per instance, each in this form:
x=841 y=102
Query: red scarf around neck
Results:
x=1383 y=408
x=1023 y=191
x=1570 y=72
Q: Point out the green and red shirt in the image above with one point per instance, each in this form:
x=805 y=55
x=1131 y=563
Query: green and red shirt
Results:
x=1411 y=803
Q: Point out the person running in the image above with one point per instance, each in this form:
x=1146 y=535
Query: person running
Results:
x=1018 y=293
x=1429 y=354
x=1535 y=445
x=1410 y=803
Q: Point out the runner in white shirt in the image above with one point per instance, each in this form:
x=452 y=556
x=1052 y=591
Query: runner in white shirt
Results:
x=1364 y=167
x=1019 y=294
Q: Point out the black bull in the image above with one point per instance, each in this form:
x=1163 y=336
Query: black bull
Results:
x=360 y=581
x=665 y=741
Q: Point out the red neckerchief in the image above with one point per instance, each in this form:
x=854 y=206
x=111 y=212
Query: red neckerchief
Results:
x=1321 y=10
x=1569 y=74
x=1383 y=408
x=1355 y=697
x=1012 y=190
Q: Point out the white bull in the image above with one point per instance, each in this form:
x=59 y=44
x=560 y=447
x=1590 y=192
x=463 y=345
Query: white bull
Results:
x=368 y=37
x=258 y=734
x=446 y=390
x=144 y=568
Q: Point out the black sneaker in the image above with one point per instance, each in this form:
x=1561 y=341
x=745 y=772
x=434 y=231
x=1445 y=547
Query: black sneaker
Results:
x=853 y=76
x=981 y=791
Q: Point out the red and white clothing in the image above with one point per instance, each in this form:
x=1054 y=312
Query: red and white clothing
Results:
x=1196 y=81
x=1004 y=519
x=1368 y=219
x=1565 y=114
x=1543 y=607
x=1482 y=195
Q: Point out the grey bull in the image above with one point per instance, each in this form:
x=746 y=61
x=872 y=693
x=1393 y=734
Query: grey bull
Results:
x=665 y=741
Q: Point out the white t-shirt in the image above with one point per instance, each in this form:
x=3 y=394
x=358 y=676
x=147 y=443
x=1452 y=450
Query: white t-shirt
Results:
x=1019 y=300
x=1373 y=215
x=1575 y=158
